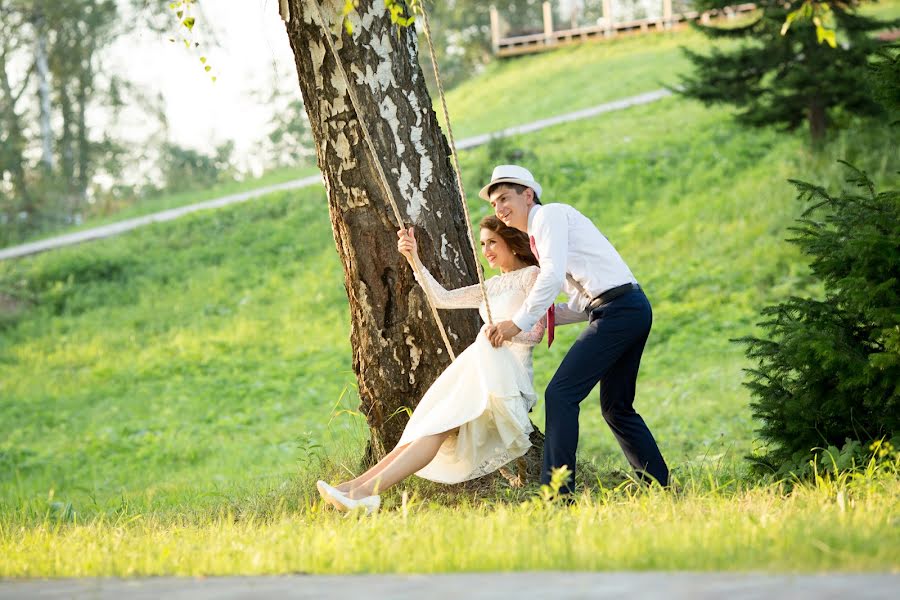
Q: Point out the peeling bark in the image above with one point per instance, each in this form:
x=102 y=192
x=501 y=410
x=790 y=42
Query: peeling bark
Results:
x=397 y=349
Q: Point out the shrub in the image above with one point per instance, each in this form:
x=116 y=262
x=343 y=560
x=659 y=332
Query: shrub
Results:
x=830 y=369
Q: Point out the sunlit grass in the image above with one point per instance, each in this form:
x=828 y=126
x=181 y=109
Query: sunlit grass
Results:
x=836 y=524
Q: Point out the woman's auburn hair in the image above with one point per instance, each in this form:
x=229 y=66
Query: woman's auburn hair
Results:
x=517 y=240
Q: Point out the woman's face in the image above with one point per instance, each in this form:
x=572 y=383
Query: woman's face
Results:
x=496 y=251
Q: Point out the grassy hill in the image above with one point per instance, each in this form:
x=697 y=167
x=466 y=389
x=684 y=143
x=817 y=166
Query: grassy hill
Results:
x=565 y=80
x=155 y=380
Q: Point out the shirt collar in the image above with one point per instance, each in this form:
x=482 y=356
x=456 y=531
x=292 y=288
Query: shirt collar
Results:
x=531 y=214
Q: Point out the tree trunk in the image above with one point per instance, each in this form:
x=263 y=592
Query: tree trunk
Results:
x=43 y=71
x=397 y=349
x=67 y=145
x=13 y=154
x=82 y=96
x=817 y=121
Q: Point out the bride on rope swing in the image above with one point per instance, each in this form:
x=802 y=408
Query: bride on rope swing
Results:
x=474 y=418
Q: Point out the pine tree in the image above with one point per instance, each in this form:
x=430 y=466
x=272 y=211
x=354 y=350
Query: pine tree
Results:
x=885 y=80
x=830 y=369
x=783 y=71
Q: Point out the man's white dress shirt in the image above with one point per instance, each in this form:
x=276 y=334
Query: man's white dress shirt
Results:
x=575 y=257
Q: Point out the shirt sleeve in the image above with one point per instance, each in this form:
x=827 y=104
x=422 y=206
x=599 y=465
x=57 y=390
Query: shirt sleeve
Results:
x=536 y=334
x=465 y=297
x=551 y=236
x=564 y=315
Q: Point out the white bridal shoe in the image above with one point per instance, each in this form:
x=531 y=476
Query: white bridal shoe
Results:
x=342 y=502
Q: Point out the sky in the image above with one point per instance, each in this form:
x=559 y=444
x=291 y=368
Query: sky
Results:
x=247 y=47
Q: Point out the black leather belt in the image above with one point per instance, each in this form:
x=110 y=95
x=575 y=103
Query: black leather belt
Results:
x=611 y=294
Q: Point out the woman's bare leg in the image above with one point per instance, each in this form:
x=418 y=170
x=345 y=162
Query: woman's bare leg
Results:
x=415 y=456
x=372 y=471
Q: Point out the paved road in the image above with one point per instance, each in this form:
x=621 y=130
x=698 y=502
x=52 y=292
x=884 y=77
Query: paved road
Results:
x=521 y=586
x=167 y=215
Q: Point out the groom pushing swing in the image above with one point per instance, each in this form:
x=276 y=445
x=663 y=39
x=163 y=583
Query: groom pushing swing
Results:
x=574 y=256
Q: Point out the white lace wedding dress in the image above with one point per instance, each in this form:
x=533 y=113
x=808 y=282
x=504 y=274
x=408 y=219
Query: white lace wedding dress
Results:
x=486 y=392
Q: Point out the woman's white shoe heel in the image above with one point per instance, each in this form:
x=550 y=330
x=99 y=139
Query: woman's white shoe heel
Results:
x=371 y=503
x=342 y=502
x=327 y=496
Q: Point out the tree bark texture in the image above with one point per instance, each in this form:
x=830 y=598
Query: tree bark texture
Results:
x=397 y=348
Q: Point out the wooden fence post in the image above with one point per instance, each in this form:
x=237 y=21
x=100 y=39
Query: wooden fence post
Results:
x=548 y=24
x=608 y=16
x=495 y=30
x=667 y=14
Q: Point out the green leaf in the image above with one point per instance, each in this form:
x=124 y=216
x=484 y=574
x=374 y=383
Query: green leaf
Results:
x=179 y=13
x=207 y=68
x=787 y=22
x=826 y=35
x=203 y=59
x=189 y=23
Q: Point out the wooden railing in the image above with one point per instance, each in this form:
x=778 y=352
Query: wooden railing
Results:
x=550 y=39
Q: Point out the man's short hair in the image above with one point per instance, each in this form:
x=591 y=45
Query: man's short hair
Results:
x=516 y=187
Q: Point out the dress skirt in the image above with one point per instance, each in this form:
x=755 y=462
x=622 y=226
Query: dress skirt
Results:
x=486 y=393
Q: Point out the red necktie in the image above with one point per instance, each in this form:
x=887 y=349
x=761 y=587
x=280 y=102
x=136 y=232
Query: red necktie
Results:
x=551 y=312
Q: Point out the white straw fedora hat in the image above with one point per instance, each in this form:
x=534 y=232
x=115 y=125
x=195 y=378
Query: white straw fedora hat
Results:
x=511 y=174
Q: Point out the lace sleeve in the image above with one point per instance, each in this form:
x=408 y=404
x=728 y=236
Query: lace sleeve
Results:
x=466 y=297
x=533 y=337
x=536 y=334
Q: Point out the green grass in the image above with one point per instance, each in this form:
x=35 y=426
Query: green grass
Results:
x=169 y=396
x=815 y=528
x=519 y=90
x=129 y=209
x=171 y=332
x=175 y=200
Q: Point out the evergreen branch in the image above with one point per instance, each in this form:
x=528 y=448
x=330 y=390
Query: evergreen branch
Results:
x=859 y=178
x=715 y=32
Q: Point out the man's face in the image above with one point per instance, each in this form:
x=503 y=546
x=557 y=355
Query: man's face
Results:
x=512 y=208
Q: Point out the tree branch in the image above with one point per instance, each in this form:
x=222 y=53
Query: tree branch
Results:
x=16 y=97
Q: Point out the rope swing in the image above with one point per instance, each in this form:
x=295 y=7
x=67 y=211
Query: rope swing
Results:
x=383 y=178
x=456 y=168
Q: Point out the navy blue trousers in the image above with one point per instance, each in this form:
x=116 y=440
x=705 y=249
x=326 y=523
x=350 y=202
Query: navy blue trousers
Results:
x=609 y=352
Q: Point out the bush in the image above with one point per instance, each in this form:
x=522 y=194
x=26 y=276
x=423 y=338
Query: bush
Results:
x=68 y=282
x=830 y=370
